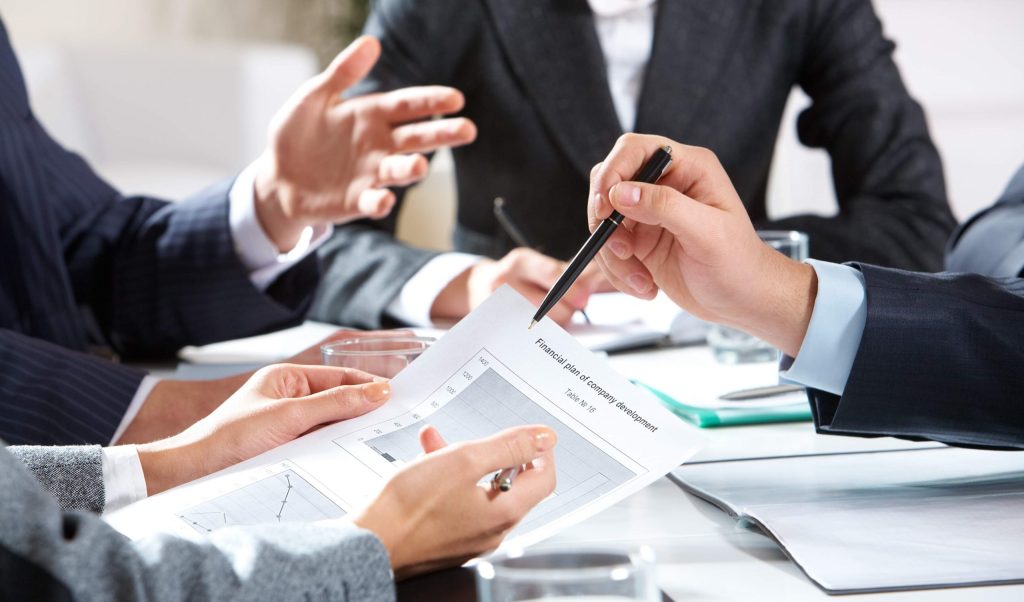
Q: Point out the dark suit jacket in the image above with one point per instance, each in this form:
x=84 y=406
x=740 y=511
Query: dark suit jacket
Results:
x=719 y=75
x=941 y=358
x=85 y=266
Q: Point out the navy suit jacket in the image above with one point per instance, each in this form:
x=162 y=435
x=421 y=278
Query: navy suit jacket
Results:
x=84 y=266
x=942 y=355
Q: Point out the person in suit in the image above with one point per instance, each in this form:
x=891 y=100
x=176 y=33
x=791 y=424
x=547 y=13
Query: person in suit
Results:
x=56 y=548
x=552 y=83
x=882 y=351
x=86 y=267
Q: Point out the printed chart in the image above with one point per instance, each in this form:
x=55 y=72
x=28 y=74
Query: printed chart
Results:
x=284 y=497
x=480 y=400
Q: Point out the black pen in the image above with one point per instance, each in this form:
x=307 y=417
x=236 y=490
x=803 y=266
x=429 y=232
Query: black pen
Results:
x=649 y=174
x=517 y=235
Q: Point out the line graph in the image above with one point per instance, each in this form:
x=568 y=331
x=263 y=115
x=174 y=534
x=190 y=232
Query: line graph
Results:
x=488 y=403
x=284 y=497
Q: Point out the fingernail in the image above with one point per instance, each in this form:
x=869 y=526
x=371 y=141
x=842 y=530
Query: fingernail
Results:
x=377 y=391
x=543 y=439
x=639 y=283
x=618 y=249
x=627 y=195
x=379 y=379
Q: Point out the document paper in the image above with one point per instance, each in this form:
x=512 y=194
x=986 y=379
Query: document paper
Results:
x=488 y=373
x=869 y=522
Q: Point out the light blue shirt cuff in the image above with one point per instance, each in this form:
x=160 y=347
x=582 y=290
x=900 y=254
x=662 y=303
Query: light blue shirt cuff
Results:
x=833 y=335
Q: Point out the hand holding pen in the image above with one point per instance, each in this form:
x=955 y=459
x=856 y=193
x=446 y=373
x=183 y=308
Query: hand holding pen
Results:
x=649 y=173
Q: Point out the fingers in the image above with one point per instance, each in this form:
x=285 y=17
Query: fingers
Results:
x=375 y=203
x=352 y=65
x=339 y=403
x=531 y=487
x=431 y=440
x=628 y=275
x=419 y=102
x=662 y=206
x=426 y=136
x=511 y=447
x=401 y=170
x=322 y=378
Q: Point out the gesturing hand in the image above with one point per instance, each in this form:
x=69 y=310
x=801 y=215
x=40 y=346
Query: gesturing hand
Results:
x=277 y=404
x=432 y=513
x=329 y=160
x=690 y=236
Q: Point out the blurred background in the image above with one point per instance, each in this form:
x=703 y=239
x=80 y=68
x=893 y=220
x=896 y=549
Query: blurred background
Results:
x=139 y=86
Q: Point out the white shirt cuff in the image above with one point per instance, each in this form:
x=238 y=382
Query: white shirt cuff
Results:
x=413 y=303
x=254 y=248
x=833 y=335
x=123 y=480
x=145 y=388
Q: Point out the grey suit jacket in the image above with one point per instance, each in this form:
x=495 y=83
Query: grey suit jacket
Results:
x=48 y=552
x=719 y=75
x=992 y=242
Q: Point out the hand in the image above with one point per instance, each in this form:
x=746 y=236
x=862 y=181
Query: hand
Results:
x=690 y=236
x=276 y=405
x=330 y=160
x=174 y=405
x=432 y=513
x=527 y=271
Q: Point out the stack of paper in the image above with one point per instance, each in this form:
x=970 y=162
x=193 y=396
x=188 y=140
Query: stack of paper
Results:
x=881 y=521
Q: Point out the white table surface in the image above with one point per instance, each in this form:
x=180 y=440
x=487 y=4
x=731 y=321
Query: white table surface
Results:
x=702 y=553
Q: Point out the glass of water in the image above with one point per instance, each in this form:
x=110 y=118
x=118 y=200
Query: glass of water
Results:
x=577 y=575
x=732 y=346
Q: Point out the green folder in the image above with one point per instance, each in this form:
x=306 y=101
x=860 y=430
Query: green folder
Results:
x=712 y=417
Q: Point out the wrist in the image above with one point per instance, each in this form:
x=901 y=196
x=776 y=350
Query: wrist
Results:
x=272 y=211
x=452 y=303
x=781 y=310
x=387 y=529
x=167 y=464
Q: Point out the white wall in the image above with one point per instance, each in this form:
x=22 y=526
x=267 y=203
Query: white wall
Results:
x=964 y=61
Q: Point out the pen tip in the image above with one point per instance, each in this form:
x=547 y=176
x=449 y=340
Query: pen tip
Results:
x=532 y=324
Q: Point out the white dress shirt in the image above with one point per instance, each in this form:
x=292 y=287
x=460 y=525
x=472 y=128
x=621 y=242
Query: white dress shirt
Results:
x=625 y=29
x=123 y=479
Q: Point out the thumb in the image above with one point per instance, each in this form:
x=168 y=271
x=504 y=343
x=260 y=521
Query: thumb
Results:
x=431 y=440
x=351 y=65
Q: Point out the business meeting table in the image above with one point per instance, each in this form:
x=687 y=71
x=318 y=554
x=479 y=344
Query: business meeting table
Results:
x=704 y=554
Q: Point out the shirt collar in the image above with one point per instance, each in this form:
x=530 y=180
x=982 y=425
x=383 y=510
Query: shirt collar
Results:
x=615 y=8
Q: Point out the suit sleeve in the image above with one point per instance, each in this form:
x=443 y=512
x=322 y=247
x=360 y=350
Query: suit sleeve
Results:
x=365 y=266
x=887 y=173
x=50 y=395
x=940 y=358
x=50 y=554
x=158 y=276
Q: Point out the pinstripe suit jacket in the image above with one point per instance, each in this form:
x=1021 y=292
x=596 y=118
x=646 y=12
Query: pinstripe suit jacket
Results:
x=83 y=265
x=53 y=552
